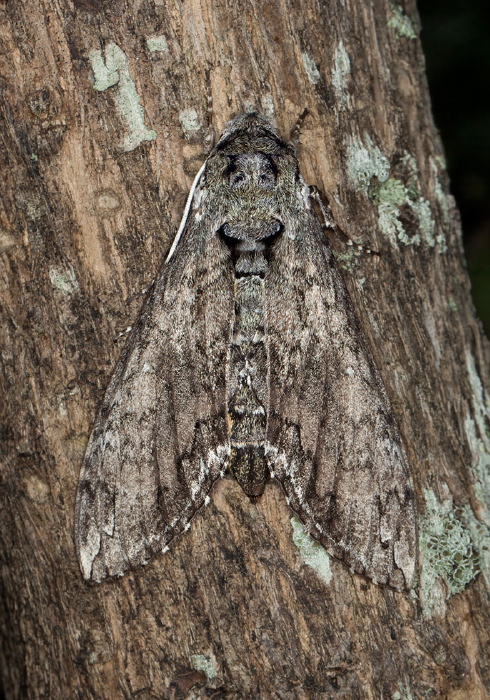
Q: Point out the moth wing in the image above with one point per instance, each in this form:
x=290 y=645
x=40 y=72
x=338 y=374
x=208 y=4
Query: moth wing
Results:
x=333 y=441
x=161 y=439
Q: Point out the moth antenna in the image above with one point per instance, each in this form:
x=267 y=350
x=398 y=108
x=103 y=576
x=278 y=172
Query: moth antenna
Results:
x=210 y=136
x=295 y=134
x=141 y=293
x=186 y=212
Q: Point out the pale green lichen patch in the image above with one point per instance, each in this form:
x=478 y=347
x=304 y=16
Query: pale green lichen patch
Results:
x=189 y=121
x=389 y=196
x=156 y=43
x=114 y=71
x=478 y=437
x=205 y=664
x=106 y=73
x=391 y=191
x=449 y=560
x=441 y=162
x=311 y=68
x=401 y=23
x=368 y=170
x=480 y=536
x=419 y=207
x=347 y=260
x=267 y=102
x=391 y=225
x=312 y=553
x=340 y=74
x=32 y=206
x=63 y=280
x=410 y=170
x=403 y=693
x=444 y=200
x=427 y=226
x=365 y=161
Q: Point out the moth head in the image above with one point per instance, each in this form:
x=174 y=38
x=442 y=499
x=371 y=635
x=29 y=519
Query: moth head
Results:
x=251 y=170
x=251 y=179
x=251 y=133
x=250 y=157
x=251 y=124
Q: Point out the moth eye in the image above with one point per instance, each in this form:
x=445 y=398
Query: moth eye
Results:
x=267 y=180
x=237 y=179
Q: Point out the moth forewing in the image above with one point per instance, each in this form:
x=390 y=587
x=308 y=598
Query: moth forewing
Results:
x=247 y=358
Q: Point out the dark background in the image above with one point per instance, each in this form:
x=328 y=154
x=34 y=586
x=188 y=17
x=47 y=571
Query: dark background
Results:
x=455 y=37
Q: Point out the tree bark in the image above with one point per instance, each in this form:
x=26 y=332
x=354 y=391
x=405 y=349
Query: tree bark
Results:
x=106 y=119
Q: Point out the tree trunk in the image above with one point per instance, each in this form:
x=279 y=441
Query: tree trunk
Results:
x=106 y=119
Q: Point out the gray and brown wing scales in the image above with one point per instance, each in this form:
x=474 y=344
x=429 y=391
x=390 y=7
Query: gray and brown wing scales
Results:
x=161 y=439
x=333 y=443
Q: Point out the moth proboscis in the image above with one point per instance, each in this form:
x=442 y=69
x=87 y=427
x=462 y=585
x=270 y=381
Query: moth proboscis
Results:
x=247 y=357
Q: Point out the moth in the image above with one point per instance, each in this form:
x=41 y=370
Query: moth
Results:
x=247 y=358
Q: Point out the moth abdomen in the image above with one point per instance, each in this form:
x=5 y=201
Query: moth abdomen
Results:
x=248 y=464
x=247 y=370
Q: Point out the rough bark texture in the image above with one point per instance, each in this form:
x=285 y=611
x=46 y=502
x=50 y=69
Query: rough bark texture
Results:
x=92 y=197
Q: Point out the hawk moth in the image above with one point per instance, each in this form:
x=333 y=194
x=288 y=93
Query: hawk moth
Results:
x=247 y=358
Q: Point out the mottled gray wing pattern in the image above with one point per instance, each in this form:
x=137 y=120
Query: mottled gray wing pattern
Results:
x=333 y=443
x=161 y=439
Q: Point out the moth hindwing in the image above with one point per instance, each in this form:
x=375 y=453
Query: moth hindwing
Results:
x=247 y=357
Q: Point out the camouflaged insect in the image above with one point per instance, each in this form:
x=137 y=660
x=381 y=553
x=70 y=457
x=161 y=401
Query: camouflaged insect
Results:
x=247 y=358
